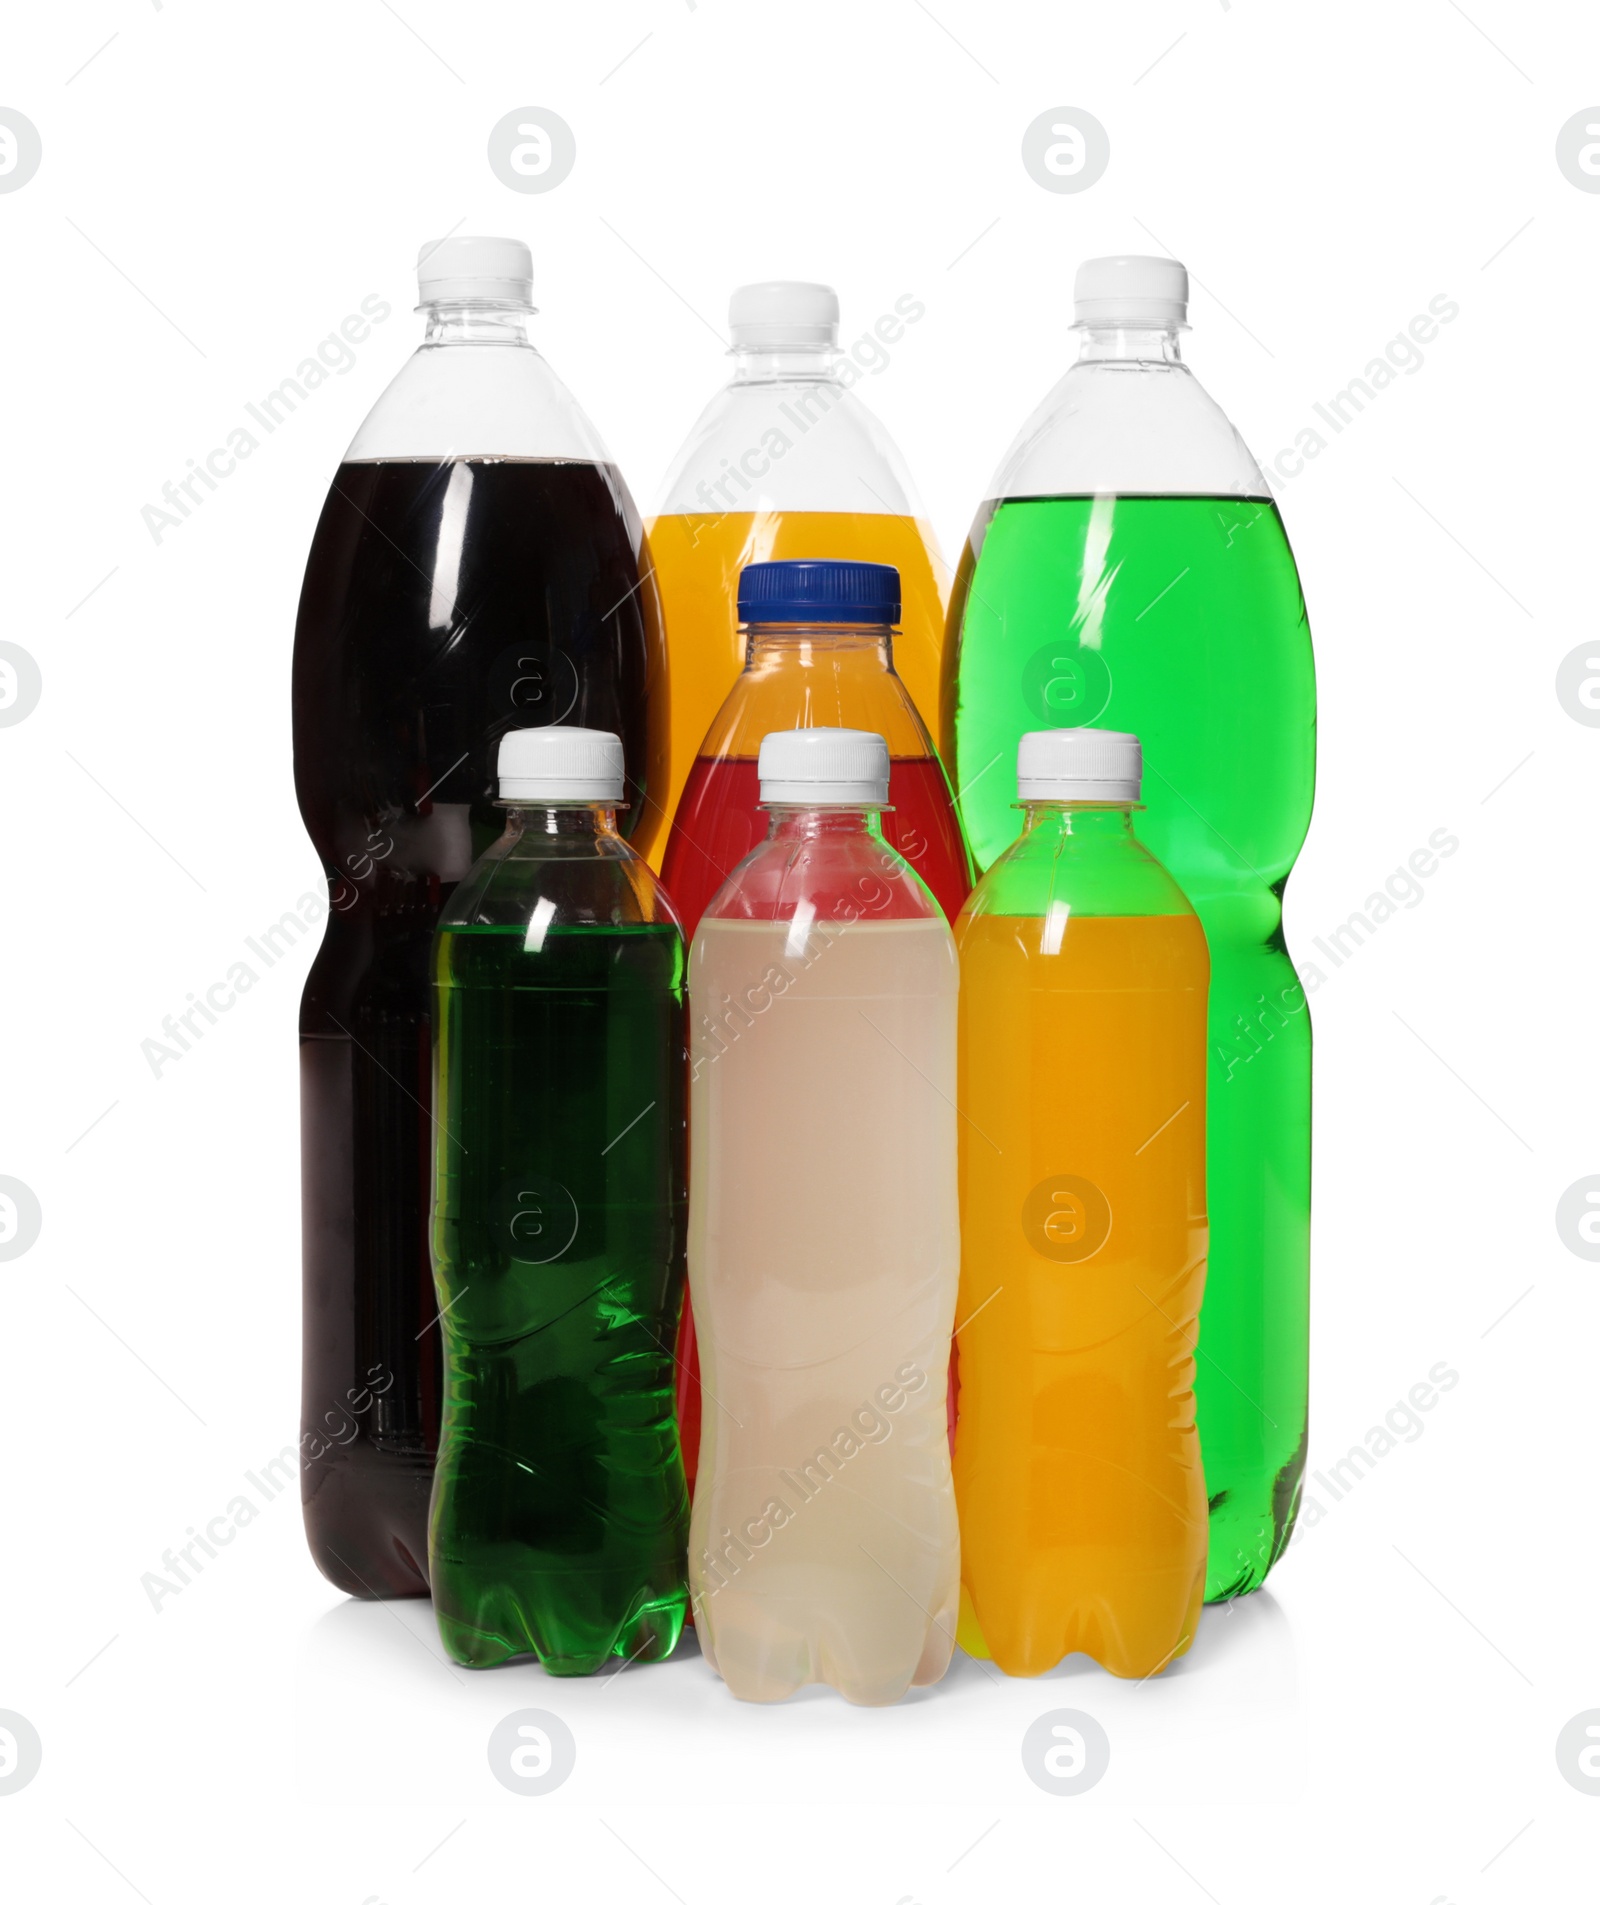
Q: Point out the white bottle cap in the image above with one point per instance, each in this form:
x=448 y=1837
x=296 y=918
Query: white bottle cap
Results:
x=1079 y=764
x=1134 y=291
x=783 y=315
x=481 y=269
x=824 y=767
x=561 y=766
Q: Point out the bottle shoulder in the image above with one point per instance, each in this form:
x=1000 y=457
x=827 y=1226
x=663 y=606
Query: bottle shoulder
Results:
x=547 y=882
x=1093 y=877
x=1131 y=428
x=468 y=400
x=843 y=879
x=788 y=444
x=823 y=684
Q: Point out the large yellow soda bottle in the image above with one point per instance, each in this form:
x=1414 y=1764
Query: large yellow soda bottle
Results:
x=1083 y=1230
x=785 y=463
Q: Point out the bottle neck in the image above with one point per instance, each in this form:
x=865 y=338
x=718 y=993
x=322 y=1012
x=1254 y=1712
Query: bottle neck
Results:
x=870 y=643
x=489 y=321
x=529 y=819
x=815 y=364
x=1129 y=344
x=798 y=824
x=1080 y=819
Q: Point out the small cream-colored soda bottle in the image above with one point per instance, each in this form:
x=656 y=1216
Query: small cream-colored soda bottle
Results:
x=823 y=1244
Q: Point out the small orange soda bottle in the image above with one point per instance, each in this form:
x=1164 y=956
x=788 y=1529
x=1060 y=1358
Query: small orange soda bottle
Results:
x=1083 y=1230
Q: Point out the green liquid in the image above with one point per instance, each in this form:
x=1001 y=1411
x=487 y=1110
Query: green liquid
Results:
x=1180 y=619
x=560 y=1516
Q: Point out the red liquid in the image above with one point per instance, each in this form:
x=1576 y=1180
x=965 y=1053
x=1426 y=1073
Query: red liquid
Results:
x=719 y=820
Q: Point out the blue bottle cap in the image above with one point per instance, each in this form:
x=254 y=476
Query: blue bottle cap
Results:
x=820 y=592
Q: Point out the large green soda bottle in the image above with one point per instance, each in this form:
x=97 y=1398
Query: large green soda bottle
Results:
x=560 y=1514
x=1130 y=571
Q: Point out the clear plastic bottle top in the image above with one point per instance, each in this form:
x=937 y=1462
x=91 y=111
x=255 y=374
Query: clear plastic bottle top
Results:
x=1129 y=418
x=561 y=766
x=476 y=387
x=789 y=433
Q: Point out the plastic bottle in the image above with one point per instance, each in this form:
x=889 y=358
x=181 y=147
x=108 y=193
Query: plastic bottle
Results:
x=823 y=1245
x=1083 y=1079
x=820 y=637
x=820 y=644
x=476 y=568
x=559 y=1507
x=1130 y=569
x=787 y=462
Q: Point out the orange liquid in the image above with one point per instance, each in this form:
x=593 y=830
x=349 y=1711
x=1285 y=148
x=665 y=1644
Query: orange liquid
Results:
x=697 y=562
x=1083 y=1251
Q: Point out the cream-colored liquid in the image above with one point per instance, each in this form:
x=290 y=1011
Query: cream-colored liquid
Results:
x=823 y=1253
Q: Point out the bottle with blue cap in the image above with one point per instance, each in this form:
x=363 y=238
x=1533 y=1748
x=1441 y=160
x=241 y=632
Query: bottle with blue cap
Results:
x=788 y=461
x=821 y=644
x=559 y=1506
x=1129 y=570
x=477 y=567
x=823 y=1243
x=1082 y=1067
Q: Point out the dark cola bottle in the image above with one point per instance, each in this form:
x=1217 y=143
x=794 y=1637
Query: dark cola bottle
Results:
x=478 y=567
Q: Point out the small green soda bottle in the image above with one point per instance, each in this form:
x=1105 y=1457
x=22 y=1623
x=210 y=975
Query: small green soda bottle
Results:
x=559 y=1516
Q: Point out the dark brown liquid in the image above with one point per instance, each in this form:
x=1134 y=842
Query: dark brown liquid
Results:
x=443 y=604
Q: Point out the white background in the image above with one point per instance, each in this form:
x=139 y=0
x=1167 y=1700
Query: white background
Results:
x=221 y=185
